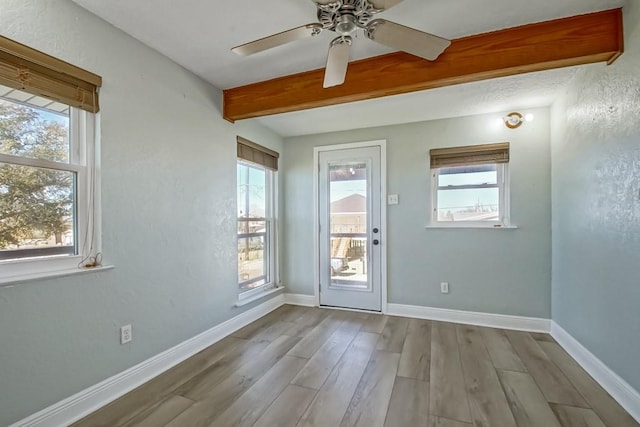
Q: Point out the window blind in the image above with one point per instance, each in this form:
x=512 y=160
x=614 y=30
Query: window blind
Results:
x=470 y=155
x=35 y=72
x=252 y=152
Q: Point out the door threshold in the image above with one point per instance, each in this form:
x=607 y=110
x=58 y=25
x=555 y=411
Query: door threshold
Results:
x=358 y=310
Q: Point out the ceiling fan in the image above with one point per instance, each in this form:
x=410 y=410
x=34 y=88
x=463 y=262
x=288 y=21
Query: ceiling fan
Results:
x=346 y=17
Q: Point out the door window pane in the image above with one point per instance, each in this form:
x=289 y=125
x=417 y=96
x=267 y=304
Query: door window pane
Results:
x=348 y=224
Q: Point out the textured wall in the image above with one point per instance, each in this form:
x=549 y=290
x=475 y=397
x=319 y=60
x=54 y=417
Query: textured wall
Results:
x=596 y=207
x=168 y=191
x=496 y=271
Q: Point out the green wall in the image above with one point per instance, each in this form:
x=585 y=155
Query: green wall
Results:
x=596 y=207
x=495 y=271
x=169 y=208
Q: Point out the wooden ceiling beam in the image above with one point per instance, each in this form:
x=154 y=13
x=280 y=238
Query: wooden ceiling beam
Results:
x=576 y=40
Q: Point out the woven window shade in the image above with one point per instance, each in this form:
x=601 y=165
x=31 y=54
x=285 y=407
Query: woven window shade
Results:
x=32 y=71
x=470 y=155
x=252 y=152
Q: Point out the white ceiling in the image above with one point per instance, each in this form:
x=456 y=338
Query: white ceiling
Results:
x=199 y=34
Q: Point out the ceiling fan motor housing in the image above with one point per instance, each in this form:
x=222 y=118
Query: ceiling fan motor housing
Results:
x=346 y=16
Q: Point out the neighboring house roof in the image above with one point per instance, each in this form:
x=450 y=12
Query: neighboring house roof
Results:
x=350 y=204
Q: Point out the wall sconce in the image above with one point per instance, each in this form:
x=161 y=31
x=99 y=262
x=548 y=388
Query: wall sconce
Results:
x=514 y=120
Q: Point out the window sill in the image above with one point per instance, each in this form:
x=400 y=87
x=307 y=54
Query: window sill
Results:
x=248 y=300
x=470 y=227
x=8 y=282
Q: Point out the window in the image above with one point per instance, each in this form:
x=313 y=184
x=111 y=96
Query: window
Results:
x=256 y=192
x=470 y=186
x=47 y=176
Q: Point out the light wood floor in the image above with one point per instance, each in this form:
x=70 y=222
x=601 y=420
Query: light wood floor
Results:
x=311 y=367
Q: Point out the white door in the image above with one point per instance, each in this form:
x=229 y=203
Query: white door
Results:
x=350 y=228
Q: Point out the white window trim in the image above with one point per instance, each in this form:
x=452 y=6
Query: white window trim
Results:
x=504 y=204
x=83 y=139
x=271 y=214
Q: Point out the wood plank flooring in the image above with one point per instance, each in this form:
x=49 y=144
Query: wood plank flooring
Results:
x=300 y=366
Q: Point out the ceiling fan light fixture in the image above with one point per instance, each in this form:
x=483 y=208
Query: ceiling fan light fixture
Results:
x=347 y=25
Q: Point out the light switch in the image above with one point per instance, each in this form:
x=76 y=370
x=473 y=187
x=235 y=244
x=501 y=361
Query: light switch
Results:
x=392 y=199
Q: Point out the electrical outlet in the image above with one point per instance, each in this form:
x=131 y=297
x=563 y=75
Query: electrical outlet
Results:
x=392 y=199
x=444 y=287
x=126 y=334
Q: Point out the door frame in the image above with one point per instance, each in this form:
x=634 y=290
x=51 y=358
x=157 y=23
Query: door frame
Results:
x=382 y=143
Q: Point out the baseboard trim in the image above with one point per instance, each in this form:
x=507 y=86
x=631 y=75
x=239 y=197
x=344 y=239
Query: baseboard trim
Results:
x=95 y=397
x=518 y=323
x=299 y=299
x=619 y=389
x=503 y=321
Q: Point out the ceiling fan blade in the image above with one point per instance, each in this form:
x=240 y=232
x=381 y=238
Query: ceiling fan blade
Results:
x=278 y=39
x=407 y=39
x=337 y=62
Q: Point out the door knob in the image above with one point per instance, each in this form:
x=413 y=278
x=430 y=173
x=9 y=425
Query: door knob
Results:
x=375 y=230
x=376 y=241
